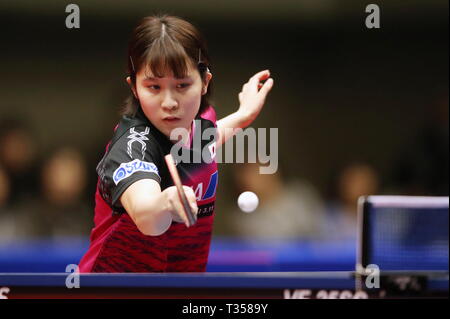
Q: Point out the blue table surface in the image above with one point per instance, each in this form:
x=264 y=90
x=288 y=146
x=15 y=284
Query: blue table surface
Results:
x=199 y=280
x=226 y=254
x=274 y=280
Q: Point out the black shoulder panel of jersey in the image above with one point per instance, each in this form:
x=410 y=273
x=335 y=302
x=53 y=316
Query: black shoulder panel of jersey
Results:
x=133 y=154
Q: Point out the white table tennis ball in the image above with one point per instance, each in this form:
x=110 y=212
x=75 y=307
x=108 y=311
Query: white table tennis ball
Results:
x=248 y=201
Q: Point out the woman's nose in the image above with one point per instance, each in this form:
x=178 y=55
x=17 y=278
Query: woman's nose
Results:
x=169 y=102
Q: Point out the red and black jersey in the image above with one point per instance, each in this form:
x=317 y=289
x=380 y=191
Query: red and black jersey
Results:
x=137 y=152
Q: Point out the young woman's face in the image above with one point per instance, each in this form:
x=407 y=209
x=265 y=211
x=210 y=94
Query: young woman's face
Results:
x=170 y=102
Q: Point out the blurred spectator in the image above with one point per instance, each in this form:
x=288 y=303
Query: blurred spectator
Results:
x=422 y=167
x=15 y=220
x=64 y=177
x=351 y=182
x=286 y=209
x=18 y=158
x=63 y=210
x=4 y=188
x=18 y=171
x=6 y=218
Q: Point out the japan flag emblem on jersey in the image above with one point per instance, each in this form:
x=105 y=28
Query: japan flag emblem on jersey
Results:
x=212 y=150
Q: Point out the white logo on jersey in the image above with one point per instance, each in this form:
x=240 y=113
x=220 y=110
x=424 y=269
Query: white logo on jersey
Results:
x=127 y=169
x=137 y=137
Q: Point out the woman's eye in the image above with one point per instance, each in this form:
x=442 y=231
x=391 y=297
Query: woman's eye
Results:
x=183 y=85
x=153 y=87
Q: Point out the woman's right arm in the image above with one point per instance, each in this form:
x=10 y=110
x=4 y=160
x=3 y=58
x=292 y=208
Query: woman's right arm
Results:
x=153 y=210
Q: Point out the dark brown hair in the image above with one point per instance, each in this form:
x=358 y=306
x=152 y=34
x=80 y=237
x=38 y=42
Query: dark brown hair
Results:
x=161 y=43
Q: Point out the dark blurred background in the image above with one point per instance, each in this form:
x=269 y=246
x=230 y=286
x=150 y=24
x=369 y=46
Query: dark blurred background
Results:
x=359 y=111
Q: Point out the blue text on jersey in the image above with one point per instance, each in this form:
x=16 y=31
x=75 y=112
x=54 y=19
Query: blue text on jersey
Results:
x=127 y=169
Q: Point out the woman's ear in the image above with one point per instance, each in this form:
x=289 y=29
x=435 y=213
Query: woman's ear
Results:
x=208 y=77
x=133 y=89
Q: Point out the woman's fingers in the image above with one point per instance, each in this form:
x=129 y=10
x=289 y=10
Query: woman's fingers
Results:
x=254 y=92
x=255 y=80
x=262 y=75
x=266 y=87
x=178 y=209
x=191 y=199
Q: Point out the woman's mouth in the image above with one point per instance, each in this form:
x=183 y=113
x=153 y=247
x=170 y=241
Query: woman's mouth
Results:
x=171 y=119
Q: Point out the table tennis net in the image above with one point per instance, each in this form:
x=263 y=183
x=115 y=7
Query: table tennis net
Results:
x=404 y=233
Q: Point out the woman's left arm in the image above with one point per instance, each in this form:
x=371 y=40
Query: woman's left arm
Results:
x=251 y=99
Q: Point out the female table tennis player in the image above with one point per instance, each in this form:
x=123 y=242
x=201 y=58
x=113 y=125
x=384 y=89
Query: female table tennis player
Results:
x=140 y=221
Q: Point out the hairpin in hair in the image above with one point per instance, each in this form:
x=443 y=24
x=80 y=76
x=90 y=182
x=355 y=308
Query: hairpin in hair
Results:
x=201 y=65
x=132 y=65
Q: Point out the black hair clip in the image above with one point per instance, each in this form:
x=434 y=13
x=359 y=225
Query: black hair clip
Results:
x=202 y=67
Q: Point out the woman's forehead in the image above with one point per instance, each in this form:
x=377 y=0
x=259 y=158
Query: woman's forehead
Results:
x=166 y=72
